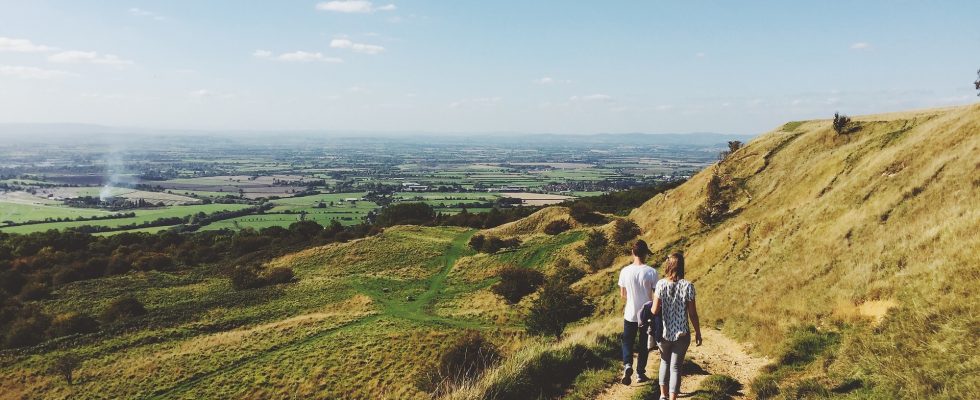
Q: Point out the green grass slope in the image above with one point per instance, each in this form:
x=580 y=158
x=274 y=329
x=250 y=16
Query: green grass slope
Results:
x=873 y=234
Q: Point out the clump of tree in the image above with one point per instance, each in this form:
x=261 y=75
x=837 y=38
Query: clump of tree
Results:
x=622 y=202
x=977 y=82
x=555 y=307
x=406 y=214
x=466 y=359
x=842 y=124
x=251 y=277
x=733 y=146
x=516 y=283
x=122 y=309
x=557 y=226
x=492 y=244
x=715 y=205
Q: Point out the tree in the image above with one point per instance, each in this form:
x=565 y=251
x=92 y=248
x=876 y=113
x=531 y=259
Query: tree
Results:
x=556 y=307
x=715 y=204
x=66 y=365
x=841 y=124
x=625 y=230
x=734 y=145
x=584 y=214
x=516 y=283
x=595 y=245
x=406 y=214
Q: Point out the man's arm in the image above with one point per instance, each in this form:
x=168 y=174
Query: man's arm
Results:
x=622 y=292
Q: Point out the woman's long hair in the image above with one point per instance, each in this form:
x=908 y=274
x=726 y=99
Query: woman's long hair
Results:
x=674 y=266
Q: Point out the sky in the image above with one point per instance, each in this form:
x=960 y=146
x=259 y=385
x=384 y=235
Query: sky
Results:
x=467 y=66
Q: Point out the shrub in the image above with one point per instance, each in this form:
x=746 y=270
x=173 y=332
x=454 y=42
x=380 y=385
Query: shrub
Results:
x=841 y=124
x=595 y=245
x=27 y=331
x=516 y=283
x=718 y=387
x=556 y=307
x=278 y=275
x=715 y=204
x=476 y=242
x=493 y=244
x=72 y=323
x=625 y=230
x=805 y=344
x=245 y=277
x=765 y=387
x=977 y=82
x=565 y=273
x=153 y=262
x=65 y=366
x=584 y=214
x=122 y=309
x=34 y=291
x=808 y=389
x=557 y=226
x=466 y=359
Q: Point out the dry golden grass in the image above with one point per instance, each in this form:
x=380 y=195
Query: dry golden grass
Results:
x=532 y=224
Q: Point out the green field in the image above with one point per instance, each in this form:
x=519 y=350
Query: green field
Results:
x=19 y=212
x=141 y=217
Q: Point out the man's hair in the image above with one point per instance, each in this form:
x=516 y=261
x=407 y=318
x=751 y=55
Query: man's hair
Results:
x=640 y=249
x=674 y=266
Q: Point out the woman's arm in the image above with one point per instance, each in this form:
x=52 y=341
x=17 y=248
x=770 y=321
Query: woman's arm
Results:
x=656 y=306
x=692 y=311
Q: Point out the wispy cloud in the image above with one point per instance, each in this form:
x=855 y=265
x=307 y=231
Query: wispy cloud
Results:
x=297 y=56
x=861 y=46
x=201 y=94
x=353 y=6
x=598 y=97
x=22 y=46
x=139 y=12
x=356 y=47
x=88 y=57
x=23 y=72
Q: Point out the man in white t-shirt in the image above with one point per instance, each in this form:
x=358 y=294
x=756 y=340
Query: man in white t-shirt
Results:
x=636 y=284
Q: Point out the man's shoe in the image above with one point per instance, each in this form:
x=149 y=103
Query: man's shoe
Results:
x=627 y=375
x=642 y=378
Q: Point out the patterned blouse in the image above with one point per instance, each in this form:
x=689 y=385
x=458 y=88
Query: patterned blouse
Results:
x=674 y=297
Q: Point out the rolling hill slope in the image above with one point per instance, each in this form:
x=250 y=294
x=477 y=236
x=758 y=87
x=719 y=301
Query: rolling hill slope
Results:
x=873 y=234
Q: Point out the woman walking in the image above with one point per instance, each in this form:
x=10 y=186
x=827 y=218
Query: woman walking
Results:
x=674 y=299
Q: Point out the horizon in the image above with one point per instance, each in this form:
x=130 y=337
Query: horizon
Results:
x=419 y=66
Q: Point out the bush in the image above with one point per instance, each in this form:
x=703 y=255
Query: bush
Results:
x=808 y=389
x=27 y=331
x=122 y=309
x=406 y=214
x=715 y=204
x=625 y=230
x=245 y=277
x=278 y=275
x=65 y=366
x=516 y=283
x=765 y=387
x=557 y=226
x=72 y=323
x=466 y=359
x=718 y=387
x=842 y=124
x=153 y=262
x=556 y=307
x=476 y=242
x=493 y=244
x=35 y=291
x=565 y=273
x=595 y=245
x=584 y=214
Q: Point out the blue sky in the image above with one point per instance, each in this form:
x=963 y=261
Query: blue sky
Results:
x=480 y=66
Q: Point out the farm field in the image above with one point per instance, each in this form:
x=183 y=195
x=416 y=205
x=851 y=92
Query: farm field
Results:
x=17 y=212
x=142 y=216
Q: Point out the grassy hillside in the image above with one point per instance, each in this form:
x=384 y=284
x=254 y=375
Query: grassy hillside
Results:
x=872 y=234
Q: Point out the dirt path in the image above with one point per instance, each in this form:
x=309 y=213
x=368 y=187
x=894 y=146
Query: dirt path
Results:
x=717 y=355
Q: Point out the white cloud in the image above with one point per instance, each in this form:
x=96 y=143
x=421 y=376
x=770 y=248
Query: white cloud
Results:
x=356 y=47
x=90 y=57
x=861 y=46
x=22 y=46
x=592 y=97
x=138 y=12
x=297 y=56
x=201 y=94
x=22 y=72
x=353 y=6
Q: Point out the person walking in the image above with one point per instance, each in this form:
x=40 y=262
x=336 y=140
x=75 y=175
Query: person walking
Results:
x=636 y=284
x=674 y=299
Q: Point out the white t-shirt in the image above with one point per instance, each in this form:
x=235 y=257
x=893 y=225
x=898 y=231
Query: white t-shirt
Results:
x=639 y=281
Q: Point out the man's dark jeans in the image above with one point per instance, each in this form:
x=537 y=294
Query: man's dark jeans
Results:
x=630 y=331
